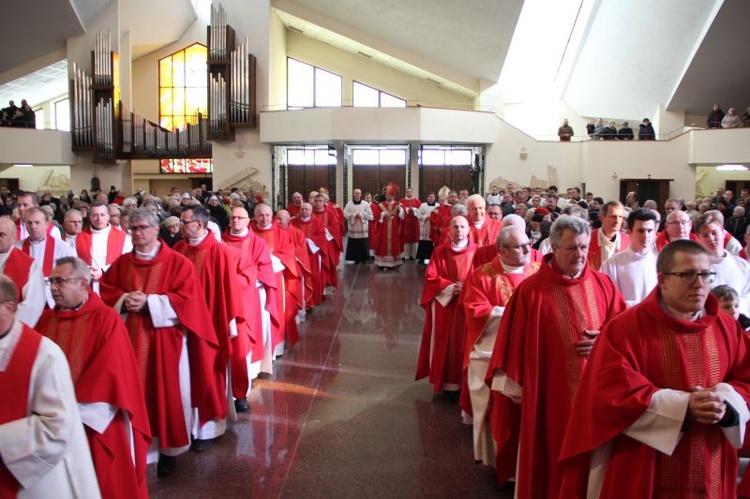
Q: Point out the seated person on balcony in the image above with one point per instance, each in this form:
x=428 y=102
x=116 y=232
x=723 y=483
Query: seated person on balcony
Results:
x=625 y=133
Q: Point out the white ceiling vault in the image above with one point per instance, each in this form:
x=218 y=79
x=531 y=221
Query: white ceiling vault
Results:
x=632 y=56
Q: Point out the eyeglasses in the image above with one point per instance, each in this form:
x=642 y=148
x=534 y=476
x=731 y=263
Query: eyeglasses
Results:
x=59 y=281
x=519 y=247
x=139 y=228
x=186 y=222
x=690 y=276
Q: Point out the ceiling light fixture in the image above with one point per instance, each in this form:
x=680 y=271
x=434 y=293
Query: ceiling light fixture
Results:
x=731 y=168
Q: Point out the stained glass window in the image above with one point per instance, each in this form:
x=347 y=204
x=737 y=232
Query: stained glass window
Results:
x=182 y=93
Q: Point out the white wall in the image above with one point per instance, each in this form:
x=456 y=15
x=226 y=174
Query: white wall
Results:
x=40 y=178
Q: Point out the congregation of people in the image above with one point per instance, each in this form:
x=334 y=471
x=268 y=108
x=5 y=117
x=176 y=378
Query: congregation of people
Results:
x=596 y=349
x=147 y=333
x=598 y=130
x=21 y=117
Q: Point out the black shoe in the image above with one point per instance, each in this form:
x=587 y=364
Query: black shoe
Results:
x=240 y=405
x=166 y=465
x=199 y=445
x=309 y=311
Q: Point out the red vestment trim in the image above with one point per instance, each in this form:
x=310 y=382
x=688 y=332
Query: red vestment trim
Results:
x=16 y=380
x=49 y=254
x=17 y=267
x=115 y=244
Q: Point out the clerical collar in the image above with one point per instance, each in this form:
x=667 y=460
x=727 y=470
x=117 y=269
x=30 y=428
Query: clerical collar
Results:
x=100 y=231
x=195 y=241
x=510 y=269
x=265 y=228
x=478 y=224
x=40 y=241
x=241 y=233
x=305 y=219
x=431 y=204
x=461 y=245
x=69 y=235
x=77 y=307
x=149 y=255
x=681 y=315
x=356 y=202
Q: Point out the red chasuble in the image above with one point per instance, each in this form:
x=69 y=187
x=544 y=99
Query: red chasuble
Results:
x=410 y=225
x=328 y=220
x=440 y=218
x=388 y=243
x=16 y=380
x=440 y=353
x=663 y=239
x=487 y=287
x=158 y=350
x=281 y=246
x=104 y=369
x=258 y=267
x=639 y=352
x=217 y=272
x=293 y=209
x=115 y=244
x=303 y=264
x=486 y=254
x=595 y=251
x=536 y=349
x=320 y=264
x=487 y=234
x=17 y=268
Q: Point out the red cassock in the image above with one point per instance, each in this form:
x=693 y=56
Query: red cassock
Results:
x=595 y=251
x=104 y=369
x=329 y=220
x=487 y=233
x=320 y=263
x=536 y=349
x=281 y=246
x=663 y=239
x=485 y=254
x=303 y=286
x=440 y=353
x=115 y=245
x=639 y=352
x=439 y=219
x=216 y=264
x=158 y=349
x=410 y=225
x=388 y=240
x=258 y=267
x=486 y=287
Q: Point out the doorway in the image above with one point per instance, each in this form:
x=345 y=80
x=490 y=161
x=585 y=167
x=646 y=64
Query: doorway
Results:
x=646 y=188
x=374 y=167
x=458 y=167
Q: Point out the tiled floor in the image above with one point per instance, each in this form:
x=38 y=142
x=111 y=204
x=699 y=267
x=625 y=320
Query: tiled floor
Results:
x=342 y=415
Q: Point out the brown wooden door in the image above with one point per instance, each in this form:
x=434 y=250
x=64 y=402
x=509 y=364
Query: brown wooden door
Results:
x=646 y=188
x=372 y=178
x=432 y=178
x=307 y=178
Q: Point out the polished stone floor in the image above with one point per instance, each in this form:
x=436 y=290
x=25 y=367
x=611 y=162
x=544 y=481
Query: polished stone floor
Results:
x=342 y=415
